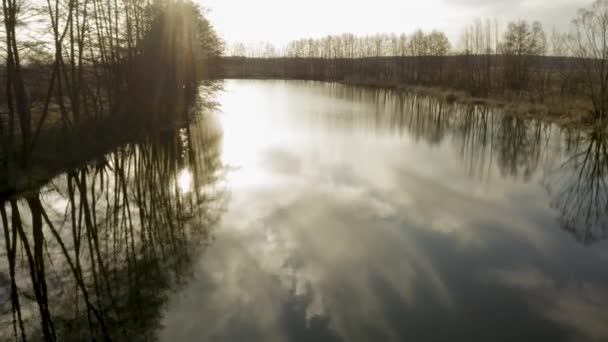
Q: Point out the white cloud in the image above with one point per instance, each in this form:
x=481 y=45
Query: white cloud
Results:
x=278 y=21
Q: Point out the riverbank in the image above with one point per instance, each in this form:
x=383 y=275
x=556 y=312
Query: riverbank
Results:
x=59 y=148
x=58 y=151
x=574 y=113
x=569 y=113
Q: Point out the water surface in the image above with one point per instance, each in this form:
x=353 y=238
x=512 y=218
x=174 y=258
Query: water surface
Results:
x=306 y=211
x=363 y=215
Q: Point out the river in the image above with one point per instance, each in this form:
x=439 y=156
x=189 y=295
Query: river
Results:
x=308 y=211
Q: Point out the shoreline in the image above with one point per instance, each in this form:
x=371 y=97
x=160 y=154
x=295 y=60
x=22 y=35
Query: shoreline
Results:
x=59 y=149
x=574 y=117
x=577 y=116
x=51 y=161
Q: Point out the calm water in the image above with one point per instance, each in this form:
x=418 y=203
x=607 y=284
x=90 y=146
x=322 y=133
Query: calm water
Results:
x=318 y=212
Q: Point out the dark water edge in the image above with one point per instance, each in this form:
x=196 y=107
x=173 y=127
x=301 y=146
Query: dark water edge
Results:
x=73 y=229
x=106 y=241
x=59 y=149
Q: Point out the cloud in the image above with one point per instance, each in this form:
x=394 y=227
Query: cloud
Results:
x=575 y=304
x=552 y=13
x=281 y=21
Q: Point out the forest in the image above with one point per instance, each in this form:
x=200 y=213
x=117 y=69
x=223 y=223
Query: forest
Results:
x=563 y=74
x=76 y=77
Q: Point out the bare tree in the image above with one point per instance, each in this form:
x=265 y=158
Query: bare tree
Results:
x=589 y=42
x=521 y=42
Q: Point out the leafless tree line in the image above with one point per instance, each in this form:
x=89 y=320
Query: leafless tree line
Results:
x=351 y=46
x=72 y=61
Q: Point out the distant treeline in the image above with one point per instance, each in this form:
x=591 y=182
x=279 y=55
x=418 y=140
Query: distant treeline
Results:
x=513 y=62
x=68 y=63
x=480 y=75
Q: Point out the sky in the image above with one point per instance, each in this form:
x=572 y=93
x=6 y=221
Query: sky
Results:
x=280 y=21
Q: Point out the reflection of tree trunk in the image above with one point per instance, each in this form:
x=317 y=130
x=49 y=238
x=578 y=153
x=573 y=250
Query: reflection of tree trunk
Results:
x=10 y=240
x=78 y=276
x=36 y=261
x=582 y=190
x=94 y=254
x=122 y=299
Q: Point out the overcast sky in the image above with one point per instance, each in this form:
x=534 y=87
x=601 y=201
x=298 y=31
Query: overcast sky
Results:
x=279 y=21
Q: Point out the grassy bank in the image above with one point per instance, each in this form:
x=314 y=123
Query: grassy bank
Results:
x=570 y=113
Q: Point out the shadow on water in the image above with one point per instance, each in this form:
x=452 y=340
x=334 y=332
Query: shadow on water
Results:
x=92 y=255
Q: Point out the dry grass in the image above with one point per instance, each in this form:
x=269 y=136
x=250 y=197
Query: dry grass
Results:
x=566 y=112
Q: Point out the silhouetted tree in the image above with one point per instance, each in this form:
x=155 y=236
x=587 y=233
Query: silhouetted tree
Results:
x=589 y=42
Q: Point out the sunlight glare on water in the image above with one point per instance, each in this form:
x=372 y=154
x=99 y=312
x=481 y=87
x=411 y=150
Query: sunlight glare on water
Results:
x=184 y=181
x=247 y=135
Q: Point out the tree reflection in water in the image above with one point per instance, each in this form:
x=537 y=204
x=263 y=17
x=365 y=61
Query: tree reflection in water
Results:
x=579 y=188
x=487 y=140
x=520 y=148
x=92 y=255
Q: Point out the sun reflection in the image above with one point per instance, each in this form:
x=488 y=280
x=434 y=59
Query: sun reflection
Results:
x=246 y=138
x=184 y=181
